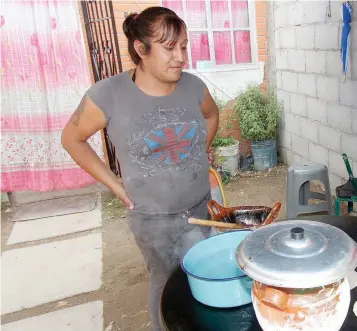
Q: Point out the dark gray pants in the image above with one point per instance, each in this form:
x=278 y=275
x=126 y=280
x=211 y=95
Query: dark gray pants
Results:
x=163 y=242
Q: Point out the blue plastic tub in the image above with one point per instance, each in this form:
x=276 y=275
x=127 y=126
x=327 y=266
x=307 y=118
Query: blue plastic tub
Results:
x=264 y=154
x=213 y=274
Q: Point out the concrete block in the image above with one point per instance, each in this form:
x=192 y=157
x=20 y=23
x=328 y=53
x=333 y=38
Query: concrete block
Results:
x=284 y=97
x=336 y=164
x=326 y=36
x=348 y=93
x=335 y=12
x=25 y=197
x=300 y=145
x=307 y=84
x=277 y=39
x=298 y=104
x=284 y=139
x=296 y=60
x=281 y=59
x=287 y=38
x=290 y=81
x=85 y=317
x=57 y=207
x=353 y=32
x=349 y=145
x=316 y=62
x=314 y=11
x=340 y=117
x=292 y=157
x=50 y=227
x=295 y=13
x=333 y=59
x=334 y=182
x=330 y=138
x=327 y=88
x=282 y=155
x=281 y=121
x=45 y=273
x=316 y=110
x=280 y=17
x=305 y=37
x=353 y=64
x=318 y=153
x=292 y=123
x=279 y=83
x=354 y=120
x=310 y=130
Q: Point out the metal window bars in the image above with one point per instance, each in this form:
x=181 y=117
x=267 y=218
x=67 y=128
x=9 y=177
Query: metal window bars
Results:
x=104 y=53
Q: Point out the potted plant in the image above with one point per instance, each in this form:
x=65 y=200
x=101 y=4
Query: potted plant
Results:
x=226 y=150
x=258 y=114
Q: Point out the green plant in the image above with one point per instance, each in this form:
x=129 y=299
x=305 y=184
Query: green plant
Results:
x=220 y=141
x=257 y=114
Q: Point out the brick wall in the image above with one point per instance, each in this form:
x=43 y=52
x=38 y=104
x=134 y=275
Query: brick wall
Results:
x=121 y=9
x=320 y=109
x=261 y=26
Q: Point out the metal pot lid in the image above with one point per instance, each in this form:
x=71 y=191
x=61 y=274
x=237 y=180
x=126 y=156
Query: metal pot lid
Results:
x=297 y=254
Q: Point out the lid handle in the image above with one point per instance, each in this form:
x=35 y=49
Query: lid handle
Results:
x=297 y=233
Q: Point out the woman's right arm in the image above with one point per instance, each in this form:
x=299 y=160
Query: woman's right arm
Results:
x=86 y=121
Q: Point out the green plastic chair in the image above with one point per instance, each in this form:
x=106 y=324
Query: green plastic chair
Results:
x=343 y=191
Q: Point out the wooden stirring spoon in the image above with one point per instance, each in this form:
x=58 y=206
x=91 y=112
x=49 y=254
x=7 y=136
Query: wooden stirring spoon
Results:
x=197 y=221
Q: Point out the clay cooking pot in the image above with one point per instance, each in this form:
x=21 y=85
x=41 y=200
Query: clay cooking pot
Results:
x=247 y=216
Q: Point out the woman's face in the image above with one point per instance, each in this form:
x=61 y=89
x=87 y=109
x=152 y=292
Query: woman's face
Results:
x=166 y=61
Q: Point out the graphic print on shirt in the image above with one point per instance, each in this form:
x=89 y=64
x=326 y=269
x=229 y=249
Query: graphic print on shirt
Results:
x=171 y=145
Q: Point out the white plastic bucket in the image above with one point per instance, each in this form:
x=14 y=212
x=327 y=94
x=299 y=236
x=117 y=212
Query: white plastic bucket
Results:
x=230 y=158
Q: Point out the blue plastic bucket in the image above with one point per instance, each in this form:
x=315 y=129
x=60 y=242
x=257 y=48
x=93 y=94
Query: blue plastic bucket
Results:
x=264 y=154
x=213 y=274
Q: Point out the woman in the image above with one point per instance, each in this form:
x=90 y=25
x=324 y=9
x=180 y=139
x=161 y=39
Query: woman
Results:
x=161 y=122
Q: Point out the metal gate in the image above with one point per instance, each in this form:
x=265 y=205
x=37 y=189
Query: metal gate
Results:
x=104 y=52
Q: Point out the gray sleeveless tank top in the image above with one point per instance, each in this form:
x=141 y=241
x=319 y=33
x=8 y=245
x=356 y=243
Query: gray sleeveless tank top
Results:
x=159 y=142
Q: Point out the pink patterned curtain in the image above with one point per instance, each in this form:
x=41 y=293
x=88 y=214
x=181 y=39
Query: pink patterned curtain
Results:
x=44 y=73
x=228 y=33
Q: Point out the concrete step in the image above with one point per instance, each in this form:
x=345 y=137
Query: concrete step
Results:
x=25 y=197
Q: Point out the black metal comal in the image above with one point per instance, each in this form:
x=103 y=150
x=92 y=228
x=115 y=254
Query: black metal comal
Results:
x=104 y=52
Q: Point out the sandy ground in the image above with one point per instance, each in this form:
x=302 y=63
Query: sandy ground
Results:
x=124 y=289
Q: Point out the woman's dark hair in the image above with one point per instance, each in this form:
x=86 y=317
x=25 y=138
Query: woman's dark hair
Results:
x=148 y=24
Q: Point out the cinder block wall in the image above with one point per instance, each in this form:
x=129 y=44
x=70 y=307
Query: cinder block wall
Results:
x=320 y=109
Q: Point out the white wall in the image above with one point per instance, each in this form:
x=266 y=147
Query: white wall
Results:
x=320 y=108
x=227 y=84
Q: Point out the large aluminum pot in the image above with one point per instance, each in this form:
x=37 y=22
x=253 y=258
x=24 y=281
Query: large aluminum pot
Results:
x=299 y=270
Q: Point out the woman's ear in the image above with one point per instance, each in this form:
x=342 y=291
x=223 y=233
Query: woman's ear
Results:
x=140 y=49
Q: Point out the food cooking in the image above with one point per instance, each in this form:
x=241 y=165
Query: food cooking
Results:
x=299 y=270
x=234 y=218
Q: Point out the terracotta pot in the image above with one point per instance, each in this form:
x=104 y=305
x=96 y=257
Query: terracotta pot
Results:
x=318 y=309
x=248 y=216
